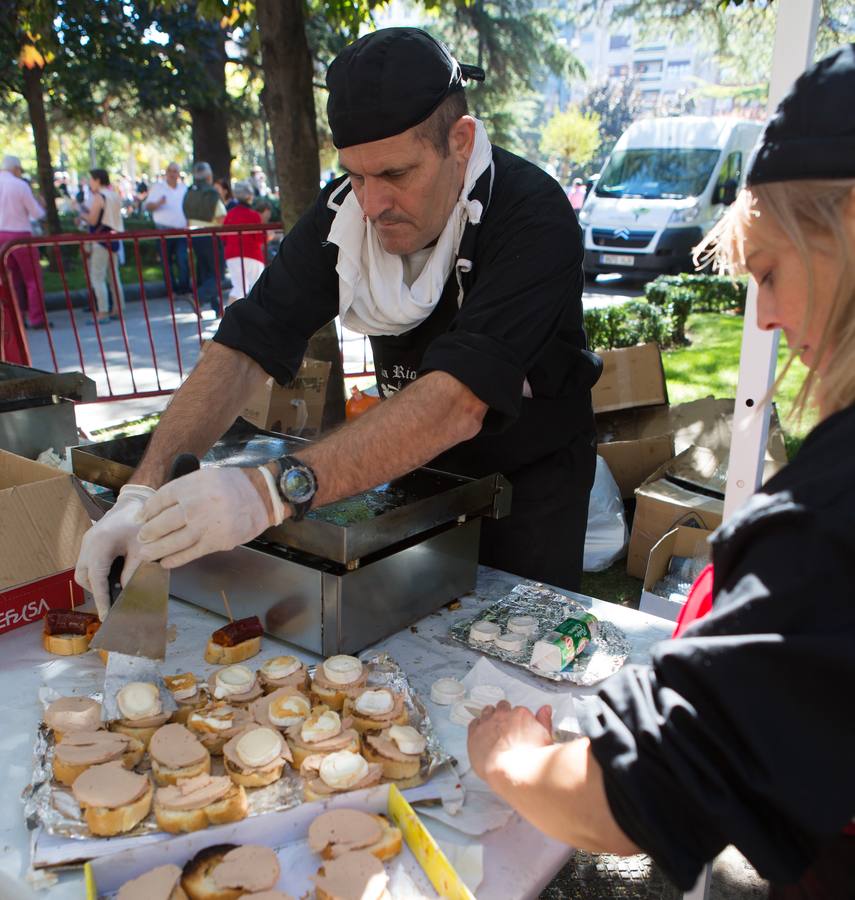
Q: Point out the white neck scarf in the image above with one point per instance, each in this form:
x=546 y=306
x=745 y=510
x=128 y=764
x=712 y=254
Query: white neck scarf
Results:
x=373 y=296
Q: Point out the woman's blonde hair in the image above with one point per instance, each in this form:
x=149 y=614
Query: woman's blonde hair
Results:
x=805 y=212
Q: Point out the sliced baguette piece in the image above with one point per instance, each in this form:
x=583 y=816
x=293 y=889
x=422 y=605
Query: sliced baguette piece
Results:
x=387 y=847
x=257 y=777
x=105 y=822
x=66 y=774
x=301 y=753
x=231 y=808
x=218 y=655
x=364 y=724
x=163 y=775
x=66 y=644
x=199 y=882
x=332 y=698
x=394 y=769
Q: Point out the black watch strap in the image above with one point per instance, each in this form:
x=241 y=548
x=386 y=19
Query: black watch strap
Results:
x=299 y=508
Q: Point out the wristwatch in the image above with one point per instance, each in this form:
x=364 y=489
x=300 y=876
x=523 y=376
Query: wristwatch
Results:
x=297 y=485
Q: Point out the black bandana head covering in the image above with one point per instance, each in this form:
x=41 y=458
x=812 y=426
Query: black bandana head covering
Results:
x=812 y=134
x=389 y=81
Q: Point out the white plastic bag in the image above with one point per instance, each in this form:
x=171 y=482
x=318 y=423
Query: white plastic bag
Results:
x=607 y=536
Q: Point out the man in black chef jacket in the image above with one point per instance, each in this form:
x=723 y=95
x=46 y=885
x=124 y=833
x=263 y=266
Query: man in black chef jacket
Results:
x=463 y=265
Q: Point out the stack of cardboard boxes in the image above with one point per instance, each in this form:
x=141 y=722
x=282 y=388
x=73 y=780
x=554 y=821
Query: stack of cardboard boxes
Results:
x=671 y=459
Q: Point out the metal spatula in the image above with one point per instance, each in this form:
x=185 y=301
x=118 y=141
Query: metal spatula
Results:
x=136 y=622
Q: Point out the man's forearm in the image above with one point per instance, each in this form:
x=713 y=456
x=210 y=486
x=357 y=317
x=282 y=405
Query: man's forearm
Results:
x=559 y=789
x=431 y=415
x=201 y=410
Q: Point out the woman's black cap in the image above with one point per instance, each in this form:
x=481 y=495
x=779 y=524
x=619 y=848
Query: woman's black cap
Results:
x=389 y=81
x=812 y=134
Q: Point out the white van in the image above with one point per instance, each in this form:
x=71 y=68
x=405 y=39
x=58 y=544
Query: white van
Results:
x=664 y=185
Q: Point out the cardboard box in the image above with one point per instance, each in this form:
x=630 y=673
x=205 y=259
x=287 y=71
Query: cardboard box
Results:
x=636 y=442
x=42 y=521
x=632 y=376
x=297 y=408
x=681 y=541
x=687 y=490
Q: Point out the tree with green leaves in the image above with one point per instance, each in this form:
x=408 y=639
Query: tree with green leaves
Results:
x=617 y=105
x=571 y=138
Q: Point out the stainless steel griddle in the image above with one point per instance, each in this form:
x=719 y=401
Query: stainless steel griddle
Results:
x=351 y=572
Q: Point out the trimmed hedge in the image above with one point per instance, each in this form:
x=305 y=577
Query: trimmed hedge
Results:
x=662 y=316
x=627 y=324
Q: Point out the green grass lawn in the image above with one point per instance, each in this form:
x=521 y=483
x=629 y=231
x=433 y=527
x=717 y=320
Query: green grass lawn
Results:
x=708 y=366
x=76 y=278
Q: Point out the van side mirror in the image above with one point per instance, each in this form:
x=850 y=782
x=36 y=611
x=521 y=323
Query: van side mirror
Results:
x=725 y=193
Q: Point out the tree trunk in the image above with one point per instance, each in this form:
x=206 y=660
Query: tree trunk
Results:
x=289 y=102
x=209 y=124
x=36 y=107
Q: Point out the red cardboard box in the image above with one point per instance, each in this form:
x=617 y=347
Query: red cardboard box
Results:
x=42 y=521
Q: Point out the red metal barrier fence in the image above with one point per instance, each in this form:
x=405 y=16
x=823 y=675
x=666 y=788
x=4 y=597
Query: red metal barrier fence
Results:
x=159 y=329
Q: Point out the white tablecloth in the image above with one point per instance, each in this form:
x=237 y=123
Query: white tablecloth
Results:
x=518 y=860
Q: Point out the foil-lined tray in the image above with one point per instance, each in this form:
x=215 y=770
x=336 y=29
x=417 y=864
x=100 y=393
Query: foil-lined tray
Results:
x=53 y=807
x=602 y=657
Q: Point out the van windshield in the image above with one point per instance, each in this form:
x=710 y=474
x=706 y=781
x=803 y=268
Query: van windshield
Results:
x=657 y=174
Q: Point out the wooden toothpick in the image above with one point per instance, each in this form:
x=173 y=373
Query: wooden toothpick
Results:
x=71 y=595
x=228 y=609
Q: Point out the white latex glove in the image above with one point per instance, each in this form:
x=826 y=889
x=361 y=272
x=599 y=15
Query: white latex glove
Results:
x=216 y=508
x=115 y=534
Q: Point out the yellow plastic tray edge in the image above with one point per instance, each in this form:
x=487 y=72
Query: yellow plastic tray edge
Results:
x=438 y=869
x=89 y=878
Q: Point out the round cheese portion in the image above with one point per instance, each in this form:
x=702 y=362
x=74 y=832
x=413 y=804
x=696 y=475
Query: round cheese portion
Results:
x=281 y=667
x=484 y=632
x=139 y=700
x=464 y=712
x=259 y=747
x=486 y=695
x=320 y=727
x=446 y=691
x=526 y=625
x=408 y=739
x=233 y=680
x=342 y=770
x=288 y=710
x=375 y=703
x=511 y=642
x=342 y=669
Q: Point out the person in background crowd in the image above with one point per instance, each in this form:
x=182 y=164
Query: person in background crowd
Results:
x=576 y=194
x=224 y=189
x=741 y=730
x=18 y=210
x=103 y=215
x=245 y=252
x=259 y=182
x=204 y=208
x=140 y=196
x=165 y=202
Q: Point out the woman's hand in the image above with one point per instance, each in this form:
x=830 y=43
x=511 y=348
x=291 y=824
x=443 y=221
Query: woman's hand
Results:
x=498 y=733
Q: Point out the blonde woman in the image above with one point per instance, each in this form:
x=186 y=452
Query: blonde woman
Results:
x=742 y=731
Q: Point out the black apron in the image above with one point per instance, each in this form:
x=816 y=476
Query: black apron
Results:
x=548 y=454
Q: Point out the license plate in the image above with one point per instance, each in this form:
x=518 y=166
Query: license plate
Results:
x=616 y=259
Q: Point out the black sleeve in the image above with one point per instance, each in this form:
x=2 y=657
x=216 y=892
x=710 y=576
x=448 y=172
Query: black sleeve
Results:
x=295 y=296
x=528 y=270
x=742 y=731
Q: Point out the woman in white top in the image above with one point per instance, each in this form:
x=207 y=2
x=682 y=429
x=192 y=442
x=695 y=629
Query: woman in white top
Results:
x=104 y=214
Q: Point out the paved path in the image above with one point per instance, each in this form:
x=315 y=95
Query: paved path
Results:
x=159 y=368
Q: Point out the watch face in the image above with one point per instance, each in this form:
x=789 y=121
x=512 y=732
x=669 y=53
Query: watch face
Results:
x=298 y=485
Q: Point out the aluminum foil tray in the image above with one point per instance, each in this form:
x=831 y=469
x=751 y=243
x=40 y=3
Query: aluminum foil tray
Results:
x=601 y=658
x=53 y=807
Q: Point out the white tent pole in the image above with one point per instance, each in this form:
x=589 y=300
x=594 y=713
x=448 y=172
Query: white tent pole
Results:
x=795 y=41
